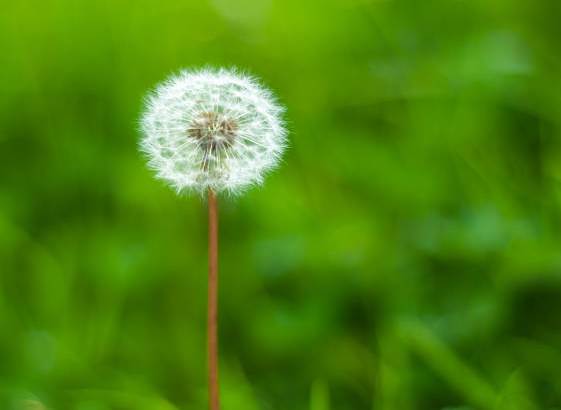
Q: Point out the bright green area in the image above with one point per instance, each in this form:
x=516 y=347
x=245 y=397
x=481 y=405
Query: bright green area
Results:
x=406 y=255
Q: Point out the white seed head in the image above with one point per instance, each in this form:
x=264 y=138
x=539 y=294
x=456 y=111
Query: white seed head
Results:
x=212 y=128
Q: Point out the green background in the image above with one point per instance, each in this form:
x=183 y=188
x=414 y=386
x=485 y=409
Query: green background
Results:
x=406 y=255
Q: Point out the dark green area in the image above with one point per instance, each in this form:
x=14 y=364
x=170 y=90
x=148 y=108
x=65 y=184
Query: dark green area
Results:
x=406 y=255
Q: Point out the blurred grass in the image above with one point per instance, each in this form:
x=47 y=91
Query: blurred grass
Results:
x=405 y=256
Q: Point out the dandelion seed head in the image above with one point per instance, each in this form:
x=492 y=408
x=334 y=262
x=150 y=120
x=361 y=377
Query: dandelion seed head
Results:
x=212 y=128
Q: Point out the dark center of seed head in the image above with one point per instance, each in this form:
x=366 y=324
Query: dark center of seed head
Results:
x=213 y=131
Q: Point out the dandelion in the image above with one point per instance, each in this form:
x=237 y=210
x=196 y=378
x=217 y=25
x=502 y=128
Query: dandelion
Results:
x=212 y=131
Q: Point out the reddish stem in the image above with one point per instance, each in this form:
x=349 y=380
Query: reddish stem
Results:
x=212 y=324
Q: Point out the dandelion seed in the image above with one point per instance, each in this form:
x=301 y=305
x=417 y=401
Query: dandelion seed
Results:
x=212 y=129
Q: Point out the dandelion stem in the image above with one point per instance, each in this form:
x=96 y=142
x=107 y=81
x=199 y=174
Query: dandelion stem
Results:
x=212 y=324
